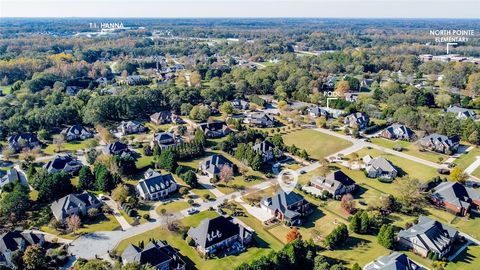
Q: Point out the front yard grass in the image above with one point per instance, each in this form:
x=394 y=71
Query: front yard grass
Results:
x=467 y=260
x=467 y=159
x=68 y=147
x=411 y=149
x=317 y=144
x=171 y=207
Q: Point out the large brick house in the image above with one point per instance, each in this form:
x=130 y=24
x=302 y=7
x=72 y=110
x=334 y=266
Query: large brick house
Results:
x=287 y=207
x=440 y=143
x=455 y=197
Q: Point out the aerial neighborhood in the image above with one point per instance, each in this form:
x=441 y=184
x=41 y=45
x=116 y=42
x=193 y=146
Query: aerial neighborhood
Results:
x=224 y=144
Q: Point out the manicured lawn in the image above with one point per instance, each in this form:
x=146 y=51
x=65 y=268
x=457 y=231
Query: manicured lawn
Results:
x=175 y=206
x=469 y=259
x=100 y=223
x=476 y=173
x=70 y=146
x=410 y=149
x=466 y=159
x=143 y=161
x=317 y=144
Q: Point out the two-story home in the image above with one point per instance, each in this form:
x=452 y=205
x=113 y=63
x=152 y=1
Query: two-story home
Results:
x=336 y=184
x=287 y=207
x=461 y=113
x=215 y=129
x=428 y=235
x=157 y=254
x=394 y=261
x=23 y=141
x=266 y=149
x=260 y=119
x=76 y=133
x=9 y=177
x=398 y=132
x=212 y=166
x=74 y=204
x=65 y=163
x=379 y=167
x=130 y=127
x=240 y=104
x=165 y=140
x=440 y=143
x=13 y=241
x=156 y=186
x=359 y=120
x=117 y=149
x=317 y=111
x=455 y=197
x=220 y=233
x=161 y=117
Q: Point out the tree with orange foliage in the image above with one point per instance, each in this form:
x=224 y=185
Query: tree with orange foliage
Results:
x=293 y=234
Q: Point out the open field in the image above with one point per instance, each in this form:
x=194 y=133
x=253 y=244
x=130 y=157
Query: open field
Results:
x=68 y=147
x=317 y=144
x=410 y=149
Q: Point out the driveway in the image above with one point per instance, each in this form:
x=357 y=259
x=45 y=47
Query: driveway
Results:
x=204 y=181
x=116 y=213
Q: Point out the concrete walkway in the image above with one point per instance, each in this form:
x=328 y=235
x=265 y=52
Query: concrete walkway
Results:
x=116 y=213
x=204 y=181
x=470 y=169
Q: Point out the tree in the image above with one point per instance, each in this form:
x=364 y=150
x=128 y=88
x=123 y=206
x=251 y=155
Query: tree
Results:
x=410 y=196
x=190 y=178
x=227 y=108
x=92 y=156
x=167 y=161
x=16 y=202
x=458 y=175
x=337 y=236
x=86 y=179
x=347 y=203
x=364 y=222
x=73 y=223
x=386 y=236
x=355 y=222
x=293 y=234
x=256 y=162
x=356 y=266
x=59 y=142
x=473 y=84
x=51 y=186
x=7 y=153
x=226 y=173
x=34 y=257
x=120 y=194
x=342 y=88
x=92 y=212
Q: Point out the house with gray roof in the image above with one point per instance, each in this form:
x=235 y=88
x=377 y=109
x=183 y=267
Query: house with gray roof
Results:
x=359 y=120
x=379 y=167
x=393 y=261
x=287 y=207
x=9 y=177
x=215 y=129
x=72 y=90
x=336 y=184
x=13 y=241
x=266 y=149
x=398 y=132
x=461 y=113
x=74 y=204
x=212 y=166
x=76 y=133
x=131 y=127
x=260 y=119
x=23 y=140
x=117 y=149
x=440 y=143
x=317 y=111
x=428 y=235
x=157 y=254
x=63 y=163
x=165 y=140
x=220 y=234
x=156 y=186
x=161 y=117
x=240 y=104
x=455 y=197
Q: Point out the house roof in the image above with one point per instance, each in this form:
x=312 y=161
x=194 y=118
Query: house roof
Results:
x=75 y=130
x=456 y=194
x=10 y=176
x=156 y=183
x=214 y=163
x=281 y=201
x=263 y=147
x=28 y=137
x=154 y=253
x=213 y=126
x=432 y=234
x=394 y=261
x=129 y=124
x=460 y=110
x=436 y=138
x=117 y=147
x=358 y=117
x=213 y=231
x=62 y=205
x=378 y=163
x=334 y=181
x=60 y=162
x=400 y=130
x=161 y=115
x=12 y=240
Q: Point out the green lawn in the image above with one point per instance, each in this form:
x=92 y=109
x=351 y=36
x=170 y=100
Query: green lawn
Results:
x=469 y=259
x=317 y=144
x=69 y=146
x=410 y=149
x=466 y=159
x=143 y=161
x=175 y=206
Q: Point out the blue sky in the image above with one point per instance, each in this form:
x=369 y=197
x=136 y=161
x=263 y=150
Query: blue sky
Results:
x=242 y=8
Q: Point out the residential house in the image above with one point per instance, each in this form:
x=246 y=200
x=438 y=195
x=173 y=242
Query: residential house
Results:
x=117 y=149
x=379 y=167
x=130 y=127
x=157 y=254
x=240 y=104
x=461 y=113
x=13 y=241
x=358 y=119
x=336 y=184
x=9 y=177
x=215 y=129
x=440 y=143
x=76 y=133
x=133 y=79
x=74 y=204
x=72 y=90
x=351 y=96
x=156 y=186
x=161 y=117
x=317 y=111
x=287 y=207
x=102 y=81
x=398 y=132
x=428 y=235
x=394 y=261
x=165 y=140
x=260 y=119
x=266 y=149
x=212 y=166
x=23 y=140
x=455 y=197
x=220 y=233
x=63 y=163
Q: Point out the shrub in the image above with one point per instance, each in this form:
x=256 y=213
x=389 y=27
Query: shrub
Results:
x=146 y=216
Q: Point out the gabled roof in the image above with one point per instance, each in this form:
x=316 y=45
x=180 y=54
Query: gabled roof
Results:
x=154 y=253
x=60 y=162
x=213 y=231
x=432 y=234
x=213 y=126
x=281 y=201
x=10 y=176
x=334 y=181
x=394 y=261
x=400 y=130
x=75 y=130
x=60 y=206
x=117 y=147
x=263 y=147
x=161 y=115
x=378 y=163
x=456 y=194
x=156 y=183
x=28 y=137
x=436 y=138
x=12 y=240
x=459 y=110
x=214 y=163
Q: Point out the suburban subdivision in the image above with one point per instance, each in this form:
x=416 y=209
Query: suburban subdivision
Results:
x=164 y=144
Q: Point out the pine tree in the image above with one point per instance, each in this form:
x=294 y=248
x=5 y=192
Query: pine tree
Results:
x=355 y=223
x=364 y=223
x=86 y=179
x=386 y=236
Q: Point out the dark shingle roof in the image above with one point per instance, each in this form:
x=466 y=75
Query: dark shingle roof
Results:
x=12 y=240
x=156 y=183
x=394 y=261
x=456 y=194
x=154 y=253
x=213 y=231
x=281 y=201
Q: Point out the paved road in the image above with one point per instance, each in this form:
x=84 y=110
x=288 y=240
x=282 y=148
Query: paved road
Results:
x=473 y=166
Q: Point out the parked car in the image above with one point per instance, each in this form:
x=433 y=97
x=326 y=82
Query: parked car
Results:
x=221 y=212
x=192 y=211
